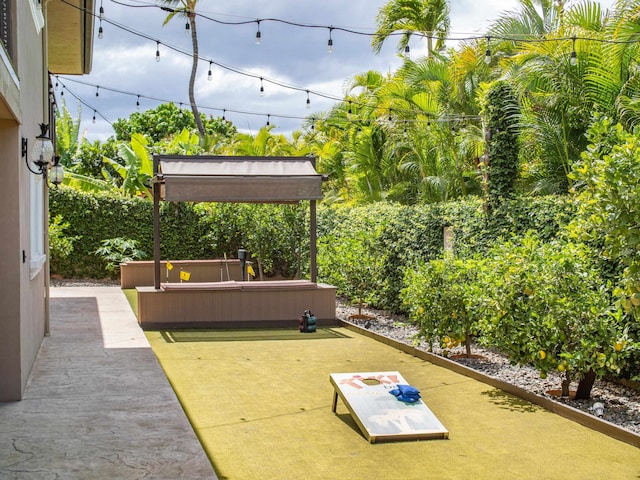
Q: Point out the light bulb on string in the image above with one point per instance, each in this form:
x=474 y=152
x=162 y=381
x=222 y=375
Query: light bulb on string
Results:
x=224 y=115
x=138 y=103
x=407 y=52
x=101 y=15
x=210 y=73
x=487 y=55
x=258 y=34
x=308 y=100
x=574 y=56
x=261 y=88
x=187 y=29
x=100 y=31
x=268 y=120
x=330 y=42
x=157 y=50
x=94 y=117
x=97 y=90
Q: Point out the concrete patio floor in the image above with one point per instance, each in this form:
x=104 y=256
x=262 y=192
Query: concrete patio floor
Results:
x=97 y=404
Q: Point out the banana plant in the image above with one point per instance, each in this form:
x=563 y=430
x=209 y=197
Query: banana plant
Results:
x=137 y=170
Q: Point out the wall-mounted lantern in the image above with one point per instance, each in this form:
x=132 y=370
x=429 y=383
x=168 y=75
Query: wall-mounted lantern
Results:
x=42 y=157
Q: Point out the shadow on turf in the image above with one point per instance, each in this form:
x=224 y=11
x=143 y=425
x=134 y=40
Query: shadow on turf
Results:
x=245 y=335
x=509 y=402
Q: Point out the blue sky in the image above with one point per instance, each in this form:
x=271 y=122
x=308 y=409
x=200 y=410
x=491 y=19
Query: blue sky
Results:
x=290 y=55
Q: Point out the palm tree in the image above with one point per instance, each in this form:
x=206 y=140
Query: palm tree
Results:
x=613 y=79
x=556 y=105
x=264 y=143
x=425 y=17
x=187 y=8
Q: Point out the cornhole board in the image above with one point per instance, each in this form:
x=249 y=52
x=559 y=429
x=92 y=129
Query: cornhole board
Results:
x=378 y=413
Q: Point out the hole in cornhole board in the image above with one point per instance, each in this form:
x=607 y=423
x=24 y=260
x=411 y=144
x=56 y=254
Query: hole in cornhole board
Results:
x=371 y=381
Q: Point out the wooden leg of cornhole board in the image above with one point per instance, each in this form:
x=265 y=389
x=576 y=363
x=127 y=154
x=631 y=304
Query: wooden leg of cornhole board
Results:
x=335 y=402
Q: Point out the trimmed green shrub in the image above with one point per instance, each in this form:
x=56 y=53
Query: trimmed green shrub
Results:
x=545 y=304
x=438 y=295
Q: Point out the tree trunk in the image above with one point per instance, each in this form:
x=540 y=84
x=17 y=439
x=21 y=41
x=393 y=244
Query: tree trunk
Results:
x=584 y=386
x=566 y=382
x=192 y=79
x=467 y=342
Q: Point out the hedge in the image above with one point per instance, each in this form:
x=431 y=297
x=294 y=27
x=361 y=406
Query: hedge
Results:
x=396 y=235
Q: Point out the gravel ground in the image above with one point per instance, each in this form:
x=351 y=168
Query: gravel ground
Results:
x=621 y=404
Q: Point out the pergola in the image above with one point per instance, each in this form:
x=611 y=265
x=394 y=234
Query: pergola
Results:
x=182 y=178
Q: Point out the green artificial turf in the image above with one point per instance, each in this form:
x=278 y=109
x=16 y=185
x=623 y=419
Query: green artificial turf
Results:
x=262 y=409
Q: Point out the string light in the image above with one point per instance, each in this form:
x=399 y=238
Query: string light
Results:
x=94 y=117
x=487 y=55
x=330 y=42
x=209 y=73
x=258 y=34
x=268 y=120
x=100 y=31
x=165 y=100
x=101 y=16
x=161 y=100
x=261 y=88
x=224 y=115
x=308 y=100
x=97 y=91
x=515 y=38
x=187 y=29
x=574 y=56
x=407 y=48
x=138 y=103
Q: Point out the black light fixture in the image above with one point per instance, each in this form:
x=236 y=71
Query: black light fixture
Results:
x=242 y=256
x=56 y=174
x=487 y=55
x=42 y=156
x=573 y=60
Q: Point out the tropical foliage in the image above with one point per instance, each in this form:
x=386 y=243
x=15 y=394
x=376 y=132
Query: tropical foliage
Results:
x=536 y=121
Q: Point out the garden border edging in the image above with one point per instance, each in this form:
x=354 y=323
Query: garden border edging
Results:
x=565 y=411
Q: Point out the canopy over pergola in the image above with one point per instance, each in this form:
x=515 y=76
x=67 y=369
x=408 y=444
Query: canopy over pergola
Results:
x=182 y=178
x=238 y=179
